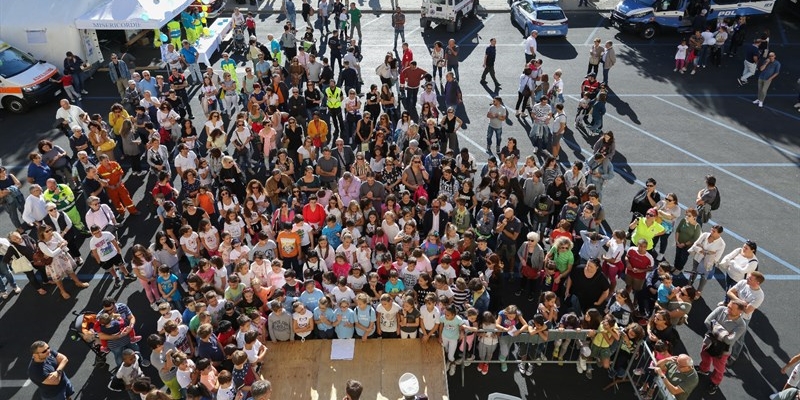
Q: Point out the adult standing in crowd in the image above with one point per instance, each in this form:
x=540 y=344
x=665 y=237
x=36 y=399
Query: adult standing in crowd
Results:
x=399 y=25
x=119 y=73
x=725 y=326
x=747 y=290
x=678 y=375
x=46 y=370
x=769 y=70
x=609 y=59
x=74 y=66
x=707 y=250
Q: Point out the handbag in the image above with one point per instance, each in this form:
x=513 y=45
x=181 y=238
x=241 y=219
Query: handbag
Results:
x=40 y=260
x=21 y=264
x=526 y=91
x=420 y=192
x=530 y=272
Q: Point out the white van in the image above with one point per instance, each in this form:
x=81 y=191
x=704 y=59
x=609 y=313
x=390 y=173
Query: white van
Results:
x=24 y=81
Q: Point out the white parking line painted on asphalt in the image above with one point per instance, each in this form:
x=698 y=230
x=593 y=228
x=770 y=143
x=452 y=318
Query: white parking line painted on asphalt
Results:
x=730 y=128
x=591 y=36
x=702 y=160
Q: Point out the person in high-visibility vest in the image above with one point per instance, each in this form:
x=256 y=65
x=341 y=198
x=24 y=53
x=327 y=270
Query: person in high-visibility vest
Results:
x=174 y=33
x=334 y=103
x=228 y=65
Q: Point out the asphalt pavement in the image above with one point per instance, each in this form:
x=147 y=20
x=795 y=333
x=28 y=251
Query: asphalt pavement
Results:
x=672 y=127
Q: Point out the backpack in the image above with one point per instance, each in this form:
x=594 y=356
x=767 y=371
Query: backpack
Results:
x=715 y=203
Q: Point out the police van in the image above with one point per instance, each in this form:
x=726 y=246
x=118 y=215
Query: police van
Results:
x=648 y=17
x=25 y=81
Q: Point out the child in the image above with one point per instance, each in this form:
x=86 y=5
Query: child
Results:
x=186 y=368
x=178 y=335
x=226 y=389
x=388 y=326
x=332 y=231
x=329 y=282
x=293 y=288
x=167 y=314
x=680 y=57
x=468 y=343
x=129 y=370
x=364 y=256
x=364 y=317
x=233 y=293
x=66 y=81
x=394 y=286
x=208 y=375
x=410 y=274
x=342 y=291
x=276 y=275
x=450 y=332
x=568 y=321
x=243 y=372
x=445 y=269
x=550 y=278
x=442 y=289
x=302 y=321
x=384 y=268
x=665 y=291
x=536 y=327
x=582 y=114
x=487 y=341
x=409 y=319
x=511 y=323
x=315 y=265
x=324 y=317
x=255 y=350
x=344 y=325
x=621 y=307
x=461 y=295
x=548 y=308
x=168 y=286
x=604 y=338
x=279 y=323
x=190 y=243
x=341 y=268
x=430 y=316
x=356 y=280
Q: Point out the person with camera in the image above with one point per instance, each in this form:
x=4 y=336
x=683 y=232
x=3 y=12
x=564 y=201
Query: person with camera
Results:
x=725 y=325
x=679 y=377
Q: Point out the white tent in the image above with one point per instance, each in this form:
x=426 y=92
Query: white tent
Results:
x=131 y=14
x=46 y=28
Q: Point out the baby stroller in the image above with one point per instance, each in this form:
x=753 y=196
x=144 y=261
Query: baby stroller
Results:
x=81 y=330
x=239 y=45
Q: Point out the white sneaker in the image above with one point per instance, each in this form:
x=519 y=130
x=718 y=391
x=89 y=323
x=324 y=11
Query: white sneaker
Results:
x=761 y=104
x=17 y=290
x=675 y=70
x=452 y=370
x=582 y=363
x=755 y=101
x=529 y=370
x=4 y=295
x=579 y=367
x=522 y=368
x=797 y=105
x=693 y=71
x=469 y=361
x=154 y=306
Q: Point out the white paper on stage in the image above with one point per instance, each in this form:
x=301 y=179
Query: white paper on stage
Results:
x=343 y=349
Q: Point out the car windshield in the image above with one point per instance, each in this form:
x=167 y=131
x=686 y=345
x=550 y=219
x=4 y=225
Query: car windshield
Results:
x=14 y=62
x=550 y=15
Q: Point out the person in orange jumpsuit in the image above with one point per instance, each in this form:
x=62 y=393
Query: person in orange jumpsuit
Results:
x=117 y=192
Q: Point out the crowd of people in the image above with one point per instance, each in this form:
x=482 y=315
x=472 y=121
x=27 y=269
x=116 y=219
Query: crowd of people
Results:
x=304 y=208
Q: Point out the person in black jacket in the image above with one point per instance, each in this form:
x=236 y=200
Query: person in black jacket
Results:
x=431 y=215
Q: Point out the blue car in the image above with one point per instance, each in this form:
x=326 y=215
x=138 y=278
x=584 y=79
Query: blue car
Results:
x=543 y=16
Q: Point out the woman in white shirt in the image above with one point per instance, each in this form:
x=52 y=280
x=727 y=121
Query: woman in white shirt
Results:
x=707 y=252
x=738 y=263
x=169 y=120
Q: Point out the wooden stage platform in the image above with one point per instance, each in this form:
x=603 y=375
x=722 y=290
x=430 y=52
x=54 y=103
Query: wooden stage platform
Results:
x=301 y=371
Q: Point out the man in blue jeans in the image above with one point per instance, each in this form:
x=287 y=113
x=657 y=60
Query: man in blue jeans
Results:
x=190 y=55
x=46 y=370
x=497 y=114
x=399 y=24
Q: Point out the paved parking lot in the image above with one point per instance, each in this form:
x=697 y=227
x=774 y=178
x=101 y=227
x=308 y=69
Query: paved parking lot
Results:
x=675 y=128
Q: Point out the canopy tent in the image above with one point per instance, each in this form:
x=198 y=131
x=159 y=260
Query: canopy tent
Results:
x=131 y=14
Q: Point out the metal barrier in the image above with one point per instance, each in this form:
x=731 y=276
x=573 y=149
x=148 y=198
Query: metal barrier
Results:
x=569 y=343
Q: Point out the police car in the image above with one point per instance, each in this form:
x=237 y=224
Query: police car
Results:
x=543 y=16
